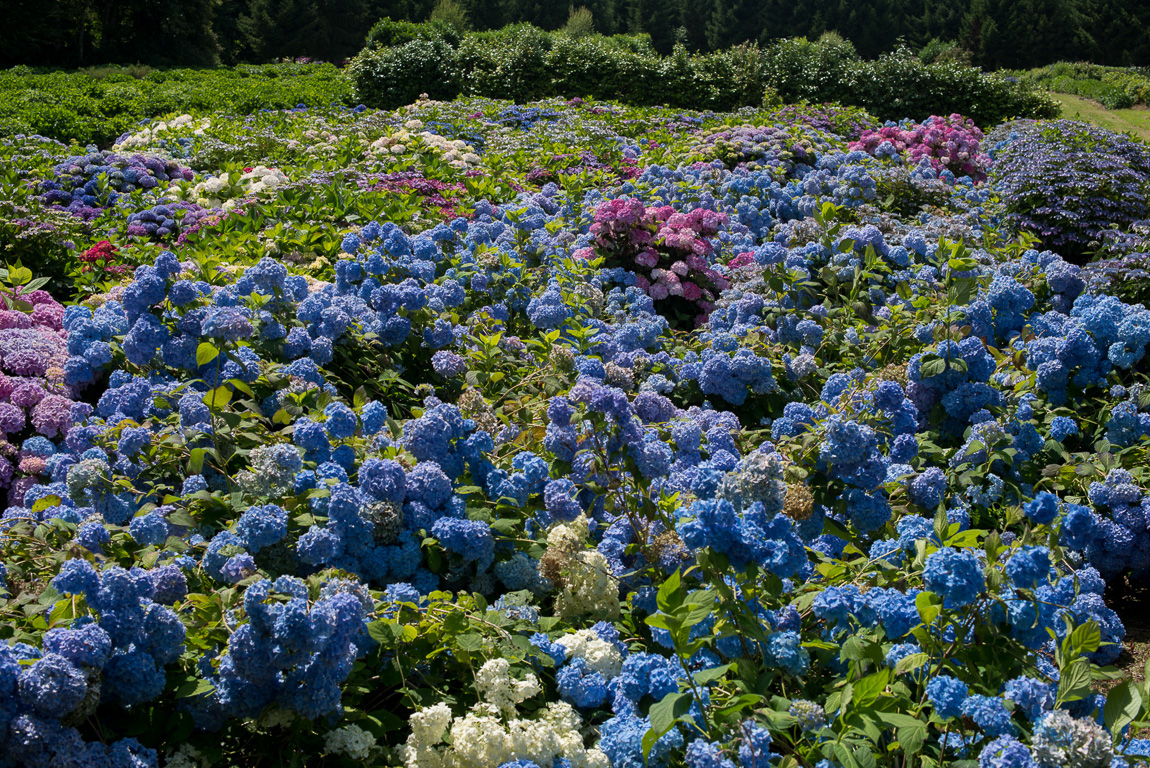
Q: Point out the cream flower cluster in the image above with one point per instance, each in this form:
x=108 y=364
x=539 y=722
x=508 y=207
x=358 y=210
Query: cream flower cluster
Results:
x=484 y=739
x=351 y=740
x=458 y=153
x=186 y=756
x=599 y=655
x=147 y=135
x=499 y=689
x=263 y=179
x=589 y=587
x=221 y=191
x=321 y=142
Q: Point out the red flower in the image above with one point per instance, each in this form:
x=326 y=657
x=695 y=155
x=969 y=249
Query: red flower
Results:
x=102 y=250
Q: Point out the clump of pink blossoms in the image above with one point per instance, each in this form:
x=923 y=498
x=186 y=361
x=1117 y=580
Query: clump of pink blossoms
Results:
x=949 y=143
x=34 y=400
x=667 y=250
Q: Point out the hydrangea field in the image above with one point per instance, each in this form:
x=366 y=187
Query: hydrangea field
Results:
x=571 y=435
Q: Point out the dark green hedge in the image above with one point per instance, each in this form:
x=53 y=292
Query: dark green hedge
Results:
x=523 y=63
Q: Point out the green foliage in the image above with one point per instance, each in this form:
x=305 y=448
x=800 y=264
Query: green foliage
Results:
x=580 y=23
x=86 y=109
x=450 y=13
x=593 y=65
x=523 y=63
x=1112 y=87
x=898 y=85
x=510 y=63
x=391 y=77
x=389 y=33
x=937 y=51
x=800 y=70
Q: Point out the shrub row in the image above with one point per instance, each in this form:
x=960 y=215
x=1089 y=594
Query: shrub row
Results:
x=524 y=63
x=97 y=109
x=1112 y=87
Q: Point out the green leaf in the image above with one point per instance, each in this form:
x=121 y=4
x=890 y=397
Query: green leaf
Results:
x=670 y=595
x=1086 y=638
x=913 y=661
x=696 y=613
x=242 y=387
x=470 y=642
x=929 y=605
x=1123 y=704
x=912 y=737
x=931 y=368
x=455 y=623
x=704 y=676
x=844 y=756
x=1075 y=682
x=961 y=291
x=181 y=517
x=871 y=687
x=897 y=719
x=46 y=502
x=193 y=687
x=196 y=462
x=218 y=397
x=663 y=715
x=206 y=352
x=662 y=621
x=853 y=649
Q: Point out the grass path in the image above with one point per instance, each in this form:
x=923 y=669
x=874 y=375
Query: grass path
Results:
x=1135 y=121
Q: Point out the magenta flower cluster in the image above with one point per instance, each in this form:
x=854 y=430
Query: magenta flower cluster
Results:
x=667 y=250
x=949 y=143
x=34 y=400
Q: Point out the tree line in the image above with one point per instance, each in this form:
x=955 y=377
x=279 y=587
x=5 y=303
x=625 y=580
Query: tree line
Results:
x=991 y=33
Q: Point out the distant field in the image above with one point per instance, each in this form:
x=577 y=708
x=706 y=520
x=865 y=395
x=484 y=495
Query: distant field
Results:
x=1136 y=121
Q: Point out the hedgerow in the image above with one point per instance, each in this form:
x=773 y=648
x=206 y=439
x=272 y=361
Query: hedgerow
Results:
x=521 y=63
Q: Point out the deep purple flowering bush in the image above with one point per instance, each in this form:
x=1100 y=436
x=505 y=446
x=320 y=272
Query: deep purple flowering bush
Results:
x=1069 y=183
x=349 y=441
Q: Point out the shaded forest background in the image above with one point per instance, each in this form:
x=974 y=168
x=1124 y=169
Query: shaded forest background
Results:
x=993 y=34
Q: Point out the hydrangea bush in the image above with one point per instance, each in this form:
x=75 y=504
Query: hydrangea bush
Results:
x=410 y=458
x=1068 y=182
x=948 y=143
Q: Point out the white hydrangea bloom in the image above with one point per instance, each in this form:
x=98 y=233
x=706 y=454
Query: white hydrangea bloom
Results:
x=480 y=741
x=484 y=739
x=416 y=755
x=569 y=537
x=148 y=134
x=429 y=725
x=351 y=740
x=214 y=185
x=1063 y=740
x=498 y=688
x=590 y=589
x=186 y=756
x=534 y=740
x=600 y=655
x=275 y=717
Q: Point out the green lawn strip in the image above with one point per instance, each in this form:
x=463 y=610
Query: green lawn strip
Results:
x=1135 y=121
